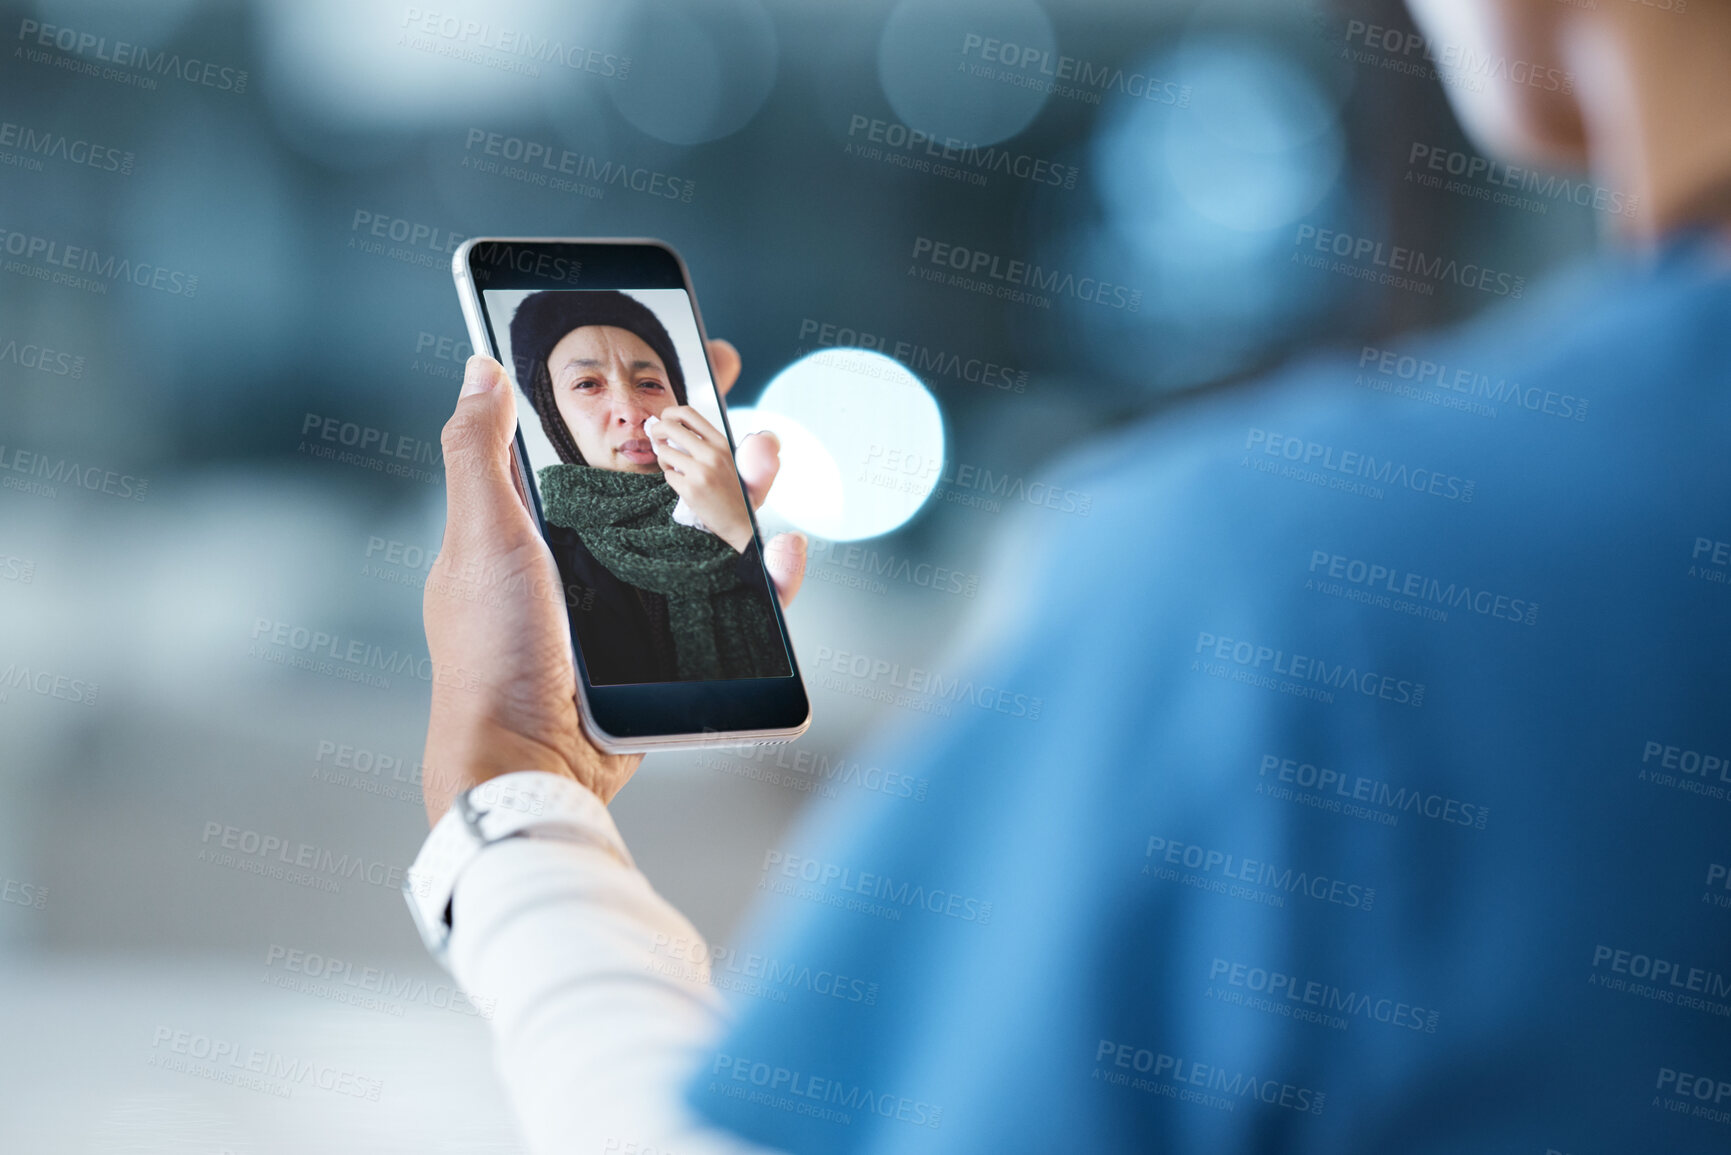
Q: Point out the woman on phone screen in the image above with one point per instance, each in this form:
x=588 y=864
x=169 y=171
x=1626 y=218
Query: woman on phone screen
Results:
x=645 y=513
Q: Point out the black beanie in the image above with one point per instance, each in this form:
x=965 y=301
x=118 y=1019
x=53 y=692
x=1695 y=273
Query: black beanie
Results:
x=543 y=320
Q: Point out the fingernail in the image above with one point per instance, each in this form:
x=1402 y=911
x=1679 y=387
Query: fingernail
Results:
x=477 y=376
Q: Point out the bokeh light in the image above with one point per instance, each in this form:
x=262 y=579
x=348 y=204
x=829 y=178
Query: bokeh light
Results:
x=974 y=71
x=862 y=442
x=699 y=69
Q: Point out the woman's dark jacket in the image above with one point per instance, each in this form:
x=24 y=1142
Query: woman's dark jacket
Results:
x=623 y=630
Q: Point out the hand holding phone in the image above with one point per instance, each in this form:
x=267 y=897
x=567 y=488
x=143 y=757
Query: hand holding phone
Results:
x=504 y=684
x=622 y=444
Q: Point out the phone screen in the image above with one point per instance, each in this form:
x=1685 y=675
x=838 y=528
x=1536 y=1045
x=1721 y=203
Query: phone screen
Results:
x=662 y=575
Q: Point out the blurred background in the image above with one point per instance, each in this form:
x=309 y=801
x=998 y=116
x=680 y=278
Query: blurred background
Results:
x=229 y=339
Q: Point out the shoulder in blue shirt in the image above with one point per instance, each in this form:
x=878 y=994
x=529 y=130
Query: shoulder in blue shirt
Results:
x=1353 y=777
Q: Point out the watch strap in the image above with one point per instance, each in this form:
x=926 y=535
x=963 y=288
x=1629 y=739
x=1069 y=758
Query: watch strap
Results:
x=522 y=803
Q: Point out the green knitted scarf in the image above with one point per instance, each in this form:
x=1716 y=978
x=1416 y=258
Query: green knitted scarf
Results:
x=721 y=629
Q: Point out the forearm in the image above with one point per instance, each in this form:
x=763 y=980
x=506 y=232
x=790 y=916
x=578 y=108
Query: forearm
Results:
x=595 y=1032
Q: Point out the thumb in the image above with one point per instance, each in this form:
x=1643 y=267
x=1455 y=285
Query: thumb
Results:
x=480 y=488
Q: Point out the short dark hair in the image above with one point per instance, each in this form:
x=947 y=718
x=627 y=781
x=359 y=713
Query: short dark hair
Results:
x=542 y=321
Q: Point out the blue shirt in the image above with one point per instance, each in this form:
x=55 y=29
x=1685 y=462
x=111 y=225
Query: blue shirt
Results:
x=1354 y=776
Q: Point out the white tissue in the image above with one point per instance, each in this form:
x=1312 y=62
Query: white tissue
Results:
x=682 y=513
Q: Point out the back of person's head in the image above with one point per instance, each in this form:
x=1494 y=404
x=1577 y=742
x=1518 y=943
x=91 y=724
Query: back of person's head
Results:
x=1636 y=90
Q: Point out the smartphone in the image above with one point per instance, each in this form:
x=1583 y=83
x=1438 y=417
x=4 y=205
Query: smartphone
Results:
x=677 y=634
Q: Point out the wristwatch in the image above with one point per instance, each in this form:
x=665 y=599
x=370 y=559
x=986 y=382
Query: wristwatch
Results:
x=523 y=803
